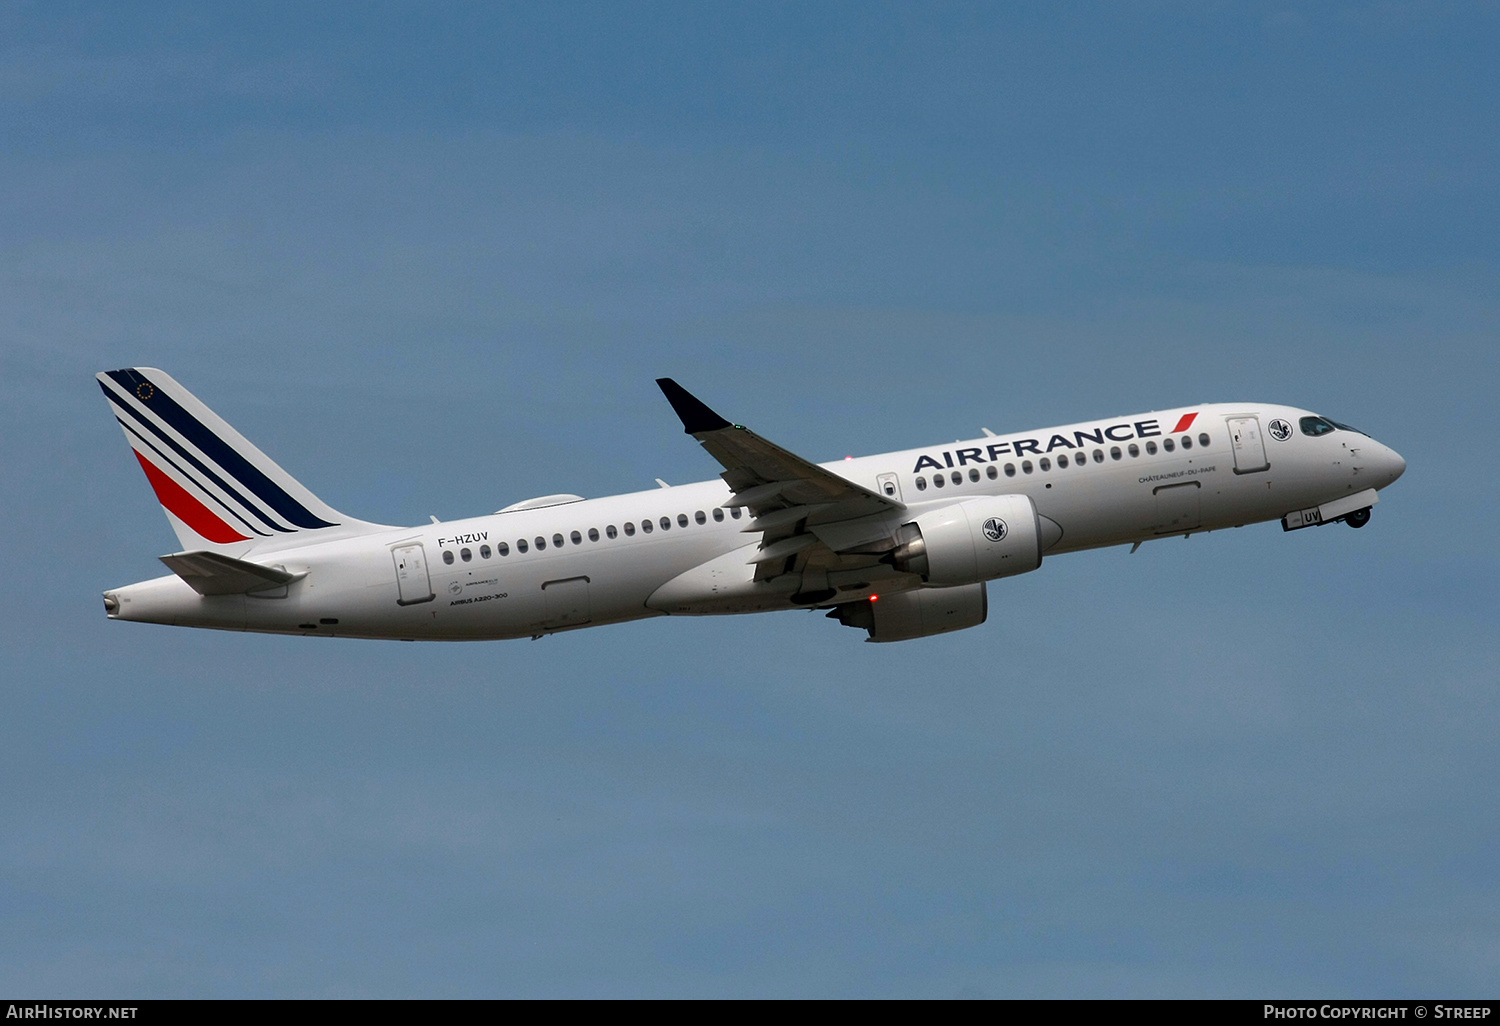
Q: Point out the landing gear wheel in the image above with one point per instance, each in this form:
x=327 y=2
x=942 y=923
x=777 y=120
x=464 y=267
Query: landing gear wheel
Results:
x=1359 y=518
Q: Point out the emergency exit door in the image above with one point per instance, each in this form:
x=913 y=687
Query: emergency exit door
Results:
x=1249 y=446
x=412 y=581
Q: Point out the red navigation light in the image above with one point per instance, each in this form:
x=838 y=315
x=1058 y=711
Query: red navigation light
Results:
x=874 y=598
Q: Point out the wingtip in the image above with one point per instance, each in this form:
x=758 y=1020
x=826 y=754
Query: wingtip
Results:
x=695 y=414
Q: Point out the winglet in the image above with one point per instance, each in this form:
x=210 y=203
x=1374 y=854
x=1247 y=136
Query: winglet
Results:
x=696 y=417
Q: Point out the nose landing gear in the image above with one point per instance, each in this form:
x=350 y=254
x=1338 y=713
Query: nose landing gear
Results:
x=1359 y=518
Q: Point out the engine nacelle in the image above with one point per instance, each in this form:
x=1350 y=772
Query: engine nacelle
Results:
x=904 y=615
x=976 y=539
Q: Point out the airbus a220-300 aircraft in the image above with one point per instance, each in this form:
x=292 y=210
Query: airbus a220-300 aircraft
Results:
x=900 y=545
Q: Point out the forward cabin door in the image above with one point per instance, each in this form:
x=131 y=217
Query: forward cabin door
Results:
x=1249 y=446
x=411 y=575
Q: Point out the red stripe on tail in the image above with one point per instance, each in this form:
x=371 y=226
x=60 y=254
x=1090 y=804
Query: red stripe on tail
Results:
x=186 y=508
x=1185 y=423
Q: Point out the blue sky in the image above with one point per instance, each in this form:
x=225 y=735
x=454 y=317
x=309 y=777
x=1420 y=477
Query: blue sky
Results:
x=431 y=258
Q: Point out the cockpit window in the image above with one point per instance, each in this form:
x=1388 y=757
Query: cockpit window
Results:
x=1346 y=427
x=1315 y=426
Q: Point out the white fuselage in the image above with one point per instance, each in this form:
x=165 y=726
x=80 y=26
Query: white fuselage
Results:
x=1097 y=482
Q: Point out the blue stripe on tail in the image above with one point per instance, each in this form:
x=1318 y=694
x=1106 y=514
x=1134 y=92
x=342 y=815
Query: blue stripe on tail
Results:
x=216 y=449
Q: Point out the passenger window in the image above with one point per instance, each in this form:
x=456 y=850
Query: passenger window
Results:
x=1203 y=440
x=1114 y=452
x=735 y=512
x=938 y=481
x=1062 y=461
x=575 y=538
x=1187 y=441
x=1098 y=455
x=593 y=534
x=718 y=515
x=610 y=532
x=890 y=489
x=1025 y=466
x=484 y=552
x=990 y=472
x=1166 y=443
x=629 y=529
x=1045 y=463
x=521 y=545
x=646 y=527
x=541 y=543
x=1010 y=470
x=1150 y=448
x=921 y=483
x=503 y=549
x=682 y=520
x=465 y=555
x=698 y=517
x=973 y=474
x=666 y=523
x=447 y=557
x=1133 y=449
x=557 y=540
x=958 y=478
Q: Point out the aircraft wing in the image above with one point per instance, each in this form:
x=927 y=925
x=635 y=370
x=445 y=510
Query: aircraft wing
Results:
x=787 y=496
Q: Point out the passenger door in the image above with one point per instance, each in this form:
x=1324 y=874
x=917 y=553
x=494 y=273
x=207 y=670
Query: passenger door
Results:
x=1249 y=446
x=412 y=581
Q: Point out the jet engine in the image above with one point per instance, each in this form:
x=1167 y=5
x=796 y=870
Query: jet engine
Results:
x=904 y=615
x=976 y=539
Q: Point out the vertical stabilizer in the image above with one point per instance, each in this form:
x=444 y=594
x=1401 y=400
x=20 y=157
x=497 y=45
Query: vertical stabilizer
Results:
x=219 y=491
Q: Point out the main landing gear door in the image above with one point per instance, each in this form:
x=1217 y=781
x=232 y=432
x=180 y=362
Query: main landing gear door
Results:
x=1249 y=446
x=411 y=575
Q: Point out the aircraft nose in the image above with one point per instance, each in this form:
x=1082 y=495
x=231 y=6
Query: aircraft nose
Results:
x=1392 y=464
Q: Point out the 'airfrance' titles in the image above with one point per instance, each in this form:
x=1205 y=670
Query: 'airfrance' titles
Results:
x=1037 y=447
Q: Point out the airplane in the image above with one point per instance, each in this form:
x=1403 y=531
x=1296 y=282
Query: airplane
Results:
x=900 y=545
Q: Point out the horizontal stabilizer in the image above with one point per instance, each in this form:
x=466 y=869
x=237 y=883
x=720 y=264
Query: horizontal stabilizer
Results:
x=209 y=573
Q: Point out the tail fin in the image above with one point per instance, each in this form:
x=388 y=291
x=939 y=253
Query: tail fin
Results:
x=219 y=491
